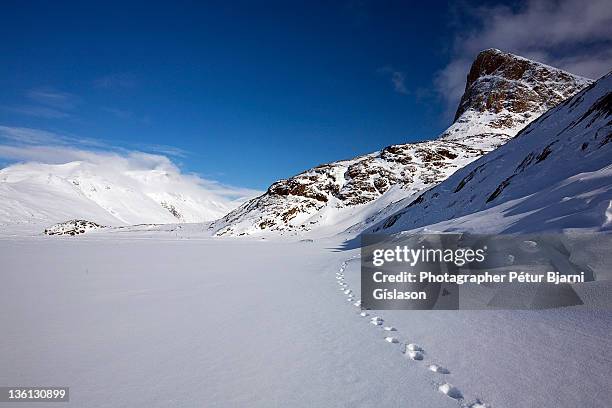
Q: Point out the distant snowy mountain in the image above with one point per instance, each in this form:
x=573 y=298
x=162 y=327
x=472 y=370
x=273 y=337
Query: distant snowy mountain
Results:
x=105 y=194
x=503 y=94
x=556 y=174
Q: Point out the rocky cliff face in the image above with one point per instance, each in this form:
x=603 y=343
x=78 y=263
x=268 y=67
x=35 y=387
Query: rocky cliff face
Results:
x=503 y=94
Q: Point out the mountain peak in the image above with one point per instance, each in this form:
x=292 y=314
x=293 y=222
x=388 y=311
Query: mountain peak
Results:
x=505 y=92
x=493 y=84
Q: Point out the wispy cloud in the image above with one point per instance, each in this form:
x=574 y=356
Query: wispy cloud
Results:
x=574 y=35
x=53 y=98
x=24 y=136
x=398 y=79
x=167 y=150
x=37 y=111
x=46 y=103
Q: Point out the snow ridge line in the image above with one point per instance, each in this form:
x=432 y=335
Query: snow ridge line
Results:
x=411 y=351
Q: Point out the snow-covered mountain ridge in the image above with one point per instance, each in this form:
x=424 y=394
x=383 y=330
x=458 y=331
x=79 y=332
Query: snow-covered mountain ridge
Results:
x=554 y=175
x=503 y=94
x=104 y=193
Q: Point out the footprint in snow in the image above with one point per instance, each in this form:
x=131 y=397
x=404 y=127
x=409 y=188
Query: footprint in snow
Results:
x=438 y=369
x=414 y=351
x=377 y=321
x=389 y=328
x=415 y=355
x=364 y=314
x=450 y=390
x=348 y=292
x=391 y=340
x=414 y=347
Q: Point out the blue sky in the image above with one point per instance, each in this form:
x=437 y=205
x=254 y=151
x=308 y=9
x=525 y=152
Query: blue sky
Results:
x=249 y=92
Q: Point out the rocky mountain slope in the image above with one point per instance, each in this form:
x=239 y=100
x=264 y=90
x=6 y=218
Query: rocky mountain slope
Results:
x=503 y=94
x=554 y=175
x=36 y=193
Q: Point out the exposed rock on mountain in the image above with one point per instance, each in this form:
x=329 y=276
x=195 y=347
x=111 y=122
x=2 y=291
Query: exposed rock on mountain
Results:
x=72 y=227
x=554 y=175
x=319 y=196
x=503 y=94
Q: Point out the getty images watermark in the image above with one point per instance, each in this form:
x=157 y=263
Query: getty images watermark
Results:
x=470 y=271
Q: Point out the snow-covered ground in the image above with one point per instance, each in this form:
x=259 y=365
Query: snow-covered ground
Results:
x=143 y=318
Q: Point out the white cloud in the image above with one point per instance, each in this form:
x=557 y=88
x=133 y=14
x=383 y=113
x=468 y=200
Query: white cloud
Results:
x=18 y=144
x=574 y=35
x=398 y=79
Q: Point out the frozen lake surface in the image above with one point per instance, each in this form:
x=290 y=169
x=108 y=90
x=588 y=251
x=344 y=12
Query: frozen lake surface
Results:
x=160 y=321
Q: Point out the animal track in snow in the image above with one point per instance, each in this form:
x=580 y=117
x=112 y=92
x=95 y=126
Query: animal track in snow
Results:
x=438 y=369
x=414 y=351
x=414 y=347
x=450 y=390
x=411 y=350
x=415 y=355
